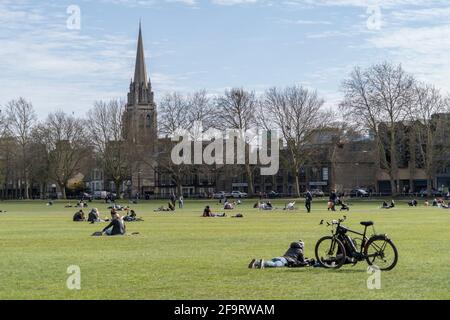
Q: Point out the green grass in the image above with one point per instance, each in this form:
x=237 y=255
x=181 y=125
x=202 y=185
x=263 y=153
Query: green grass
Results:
x=183 y=256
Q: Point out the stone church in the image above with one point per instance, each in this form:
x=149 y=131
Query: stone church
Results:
x=141 y=126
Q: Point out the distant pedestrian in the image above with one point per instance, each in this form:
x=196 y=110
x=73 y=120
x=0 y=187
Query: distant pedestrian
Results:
x=181 y=202
x=308 y=201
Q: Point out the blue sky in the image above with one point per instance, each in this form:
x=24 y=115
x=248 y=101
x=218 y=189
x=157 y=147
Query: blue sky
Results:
x=211 y=44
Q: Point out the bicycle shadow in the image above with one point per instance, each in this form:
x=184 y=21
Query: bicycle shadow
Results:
x=322 y=270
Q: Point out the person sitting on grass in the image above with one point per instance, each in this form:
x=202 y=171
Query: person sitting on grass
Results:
x=116 y=227
x=207 y=213
x=413 y=203
x=387 y=206
x=229 y=206
x=266 y=206
x=94 y=216
x=290 y=206
x=79 y=216
x=293 y=258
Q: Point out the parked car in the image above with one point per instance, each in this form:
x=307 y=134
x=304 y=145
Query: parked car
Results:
x=434 y=193
x=221 y=194
x=317 y=193
x=273 y=194
x=86 y=196
x=359 y=193
x=239 y=195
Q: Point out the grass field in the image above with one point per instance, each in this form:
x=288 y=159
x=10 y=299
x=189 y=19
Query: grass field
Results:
x=183 y=256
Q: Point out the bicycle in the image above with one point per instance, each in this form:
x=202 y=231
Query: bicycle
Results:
x=332 y=252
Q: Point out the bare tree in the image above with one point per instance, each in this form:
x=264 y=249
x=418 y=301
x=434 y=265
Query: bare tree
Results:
x=67 y=147
x=378 y=99
x=105 y=128
x=181 y=114
x=298 y=114
x=236 y=109
x=425 y=113
x=21 y=119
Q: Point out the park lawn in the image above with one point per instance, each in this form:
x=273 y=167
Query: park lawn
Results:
x=184 y=256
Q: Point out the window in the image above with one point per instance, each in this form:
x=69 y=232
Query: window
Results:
x=149 y=121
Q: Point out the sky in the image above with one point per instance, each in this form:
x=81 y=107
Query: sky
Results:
x=64 y=55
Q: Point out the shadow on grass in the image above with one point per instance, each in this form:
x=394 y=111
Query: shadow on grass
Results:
x=322 y=270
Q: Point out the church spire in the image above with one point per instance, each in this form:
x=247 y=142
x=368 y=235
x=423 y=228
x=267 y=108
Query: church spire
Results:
x=140 y=73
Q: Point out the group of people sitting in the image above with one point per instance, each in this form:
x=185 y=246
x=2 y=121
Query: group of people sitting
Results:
x=94 y=216
x=263 y=205
x=231 y=205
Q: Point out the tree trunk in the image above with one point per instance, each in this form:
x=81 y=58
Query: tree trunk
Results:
x=297 y=184
x=251 y=191
x=62 y=187
x=27 y=189
x=41 y=191
x=394 y=169
x=429 y=185
x=117 y=184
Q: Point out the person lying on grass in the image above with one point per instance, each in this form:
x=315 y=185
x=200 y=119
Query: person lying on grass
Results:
x=132 y=217
x=293 y=258
x=387 y=206
x=170 y=208
x=79 y=216
x=207 y=213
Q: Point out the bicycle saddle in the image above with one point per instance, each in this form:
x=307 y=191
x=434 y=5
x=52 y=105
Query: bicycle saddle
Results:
x=367 y=223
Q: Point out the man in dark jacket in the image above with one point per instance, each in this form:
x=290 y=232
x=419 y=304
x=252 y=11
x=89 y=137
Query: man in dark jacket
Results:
x=79 y=216
x=293 y=258
x=116 y=227
x=309 y=199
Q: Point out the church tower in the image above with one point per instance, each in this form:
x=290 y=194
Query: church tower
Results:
x=140 y=125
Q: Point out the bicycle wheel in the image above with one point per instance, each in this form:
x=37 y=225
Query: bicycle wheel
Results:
x=381 y=252
x=330 y=253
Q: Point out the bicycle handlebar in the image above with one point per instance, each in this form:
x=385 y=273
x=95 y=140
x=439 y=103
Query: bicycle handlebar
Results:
x=334 y=222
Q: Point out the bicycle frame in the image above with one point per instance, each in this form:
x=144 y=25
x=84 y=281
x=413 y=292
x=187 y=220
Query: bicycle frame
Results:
x=341 y=231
